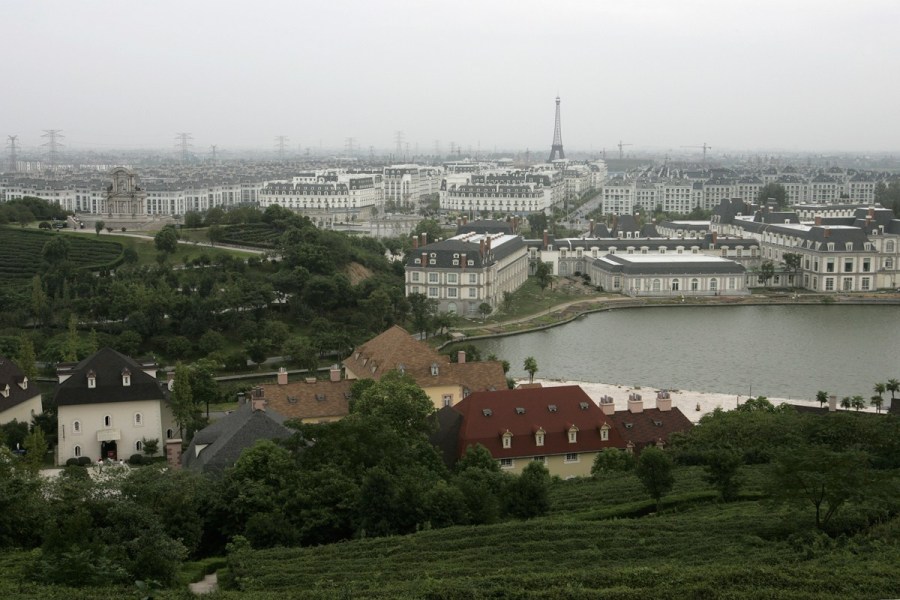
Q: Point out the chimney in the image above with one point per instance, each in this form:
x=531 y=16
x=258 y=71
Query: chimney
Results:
x=282 y=376
x=715 y=238
x=546 y=239
x=461 y=357
x=424 y=260
x=832 y=403
x=663 y=401
x=635 y=403
x=415 y=242
x=871 y=212
x=827 y=232
x=462 y=260
x=334 y=373
x=173 y=453
x=481 y=247
x=465 y=219
x=818 y=220
x=259 y=404
x=487 y=243
x=591 y=232
x=607 y=405
x=458 y=222
x=424 y=241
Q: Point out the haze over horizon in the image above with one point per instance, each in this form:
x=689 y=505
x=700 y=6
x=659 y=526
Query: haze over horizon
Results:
x=765 y=75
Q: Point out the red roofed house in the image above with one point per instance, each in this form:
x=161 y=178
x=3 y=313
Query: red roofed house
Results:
x=560 y=426
x=641 y=427
x=445 y=382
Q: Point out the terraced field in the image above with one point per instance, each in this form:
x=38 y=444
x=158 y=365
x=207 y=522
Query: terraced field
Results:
x=20 y=254
x=262 y=235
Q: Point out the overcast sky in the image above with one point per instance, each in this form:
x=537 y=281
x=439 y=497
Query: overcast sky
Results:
x=815 y=75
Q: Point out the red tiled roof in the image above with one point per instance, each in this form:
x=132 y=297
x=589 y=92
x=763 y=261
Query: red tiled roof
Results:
x=650 y=425
x=522 y=412
x=301 y=400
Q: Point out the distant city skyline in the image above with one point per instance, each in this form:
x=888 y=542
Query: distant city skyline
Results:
x=762 y=76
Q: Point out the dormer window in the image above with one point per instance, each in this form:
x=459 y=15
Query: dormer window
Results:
x=507 y=439
x=126 y=377
x=23 y=383
x=434 y=369
x=552 y=408
x=573 y=434
x=604 y=432
x=5 y=391
x=92 y=379
x=539 y=437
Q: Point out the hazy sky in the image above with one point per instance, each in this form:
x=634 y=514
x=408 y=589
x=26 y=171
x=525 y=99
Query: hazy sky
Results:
x=760 y=74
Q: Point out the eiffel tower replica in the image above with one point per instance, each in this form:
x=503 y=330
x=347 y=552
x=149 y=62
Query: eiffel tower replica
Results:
x=556 y=150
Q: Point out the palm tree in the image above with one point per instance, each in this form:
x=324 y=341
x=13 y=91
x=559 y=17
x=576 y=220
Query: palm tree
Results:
x=877 y=401
x=858 y=402
x=892 y=386
x=530 y=365
x=845 y=402
x=822 y=397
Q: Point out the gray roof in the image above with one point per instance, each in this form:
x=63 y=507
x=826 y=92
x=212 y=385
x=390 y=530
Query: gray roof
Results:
x=229 y=436
x=12 y=375
x=108 y=366
x=668 y=265
x=445 y=250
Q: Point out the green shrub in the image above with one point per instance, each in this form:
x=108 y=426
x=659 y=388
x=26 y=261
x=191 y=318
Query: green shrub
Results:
x=72 y=462
x=136 y=459
x=85 y=461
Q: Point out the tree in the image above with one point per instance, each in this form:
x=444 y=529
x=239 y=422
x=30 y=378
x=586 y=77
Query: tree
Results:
x=193 y=219
x=822 y=398
x=422 y=310
x=877 y=401
x=526 y=496
x=821 y=477
x=654 y=469
x=166 y=240
x=477 y=457
x=766 y=272
x=792 y=262
x=56 y=251
x=150 y=446
x=543 y=272
x=858 y=402
x=71 y=347
x=430 y=227
x=612 y=460
x=215 y=234
x=302 y=353
x=507 y=301
x=38 y=300
x=893 y=386
x=484 y=309
x=399 y=401
x=35 y=450
x=184 y=411
x=774 y=191
x=722 y=468
x=531 y=367
x=25 y=357
x=537 y=222
x=846 y=403
x=98 y=226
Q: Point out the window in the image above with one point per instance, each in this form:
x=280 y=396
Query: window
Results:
x=507 y=440
x=695 y=285
x=540 y=459
x=657 y=285
x=506 y=463
x=573 y=435
x=432 y=278
x=76 y=427
x=829 y=284
x=714 y=284
x=539 y=437
x=848 y=284
x=867 y=265
x=473 y=293
x=604 y=433
x=447 y=399
x=452 y=277
x=848 y=265
x=864 y=284
x=138 y=446
x=572 y=457
x=473 y=278
x=889 y=246
x=452 y=292
x=107 y=421
x=675 y=285
x=415 y=276
x=170 y=434
x=138 y=420
x=433 y=292
x=77 y=450
x=889 y=263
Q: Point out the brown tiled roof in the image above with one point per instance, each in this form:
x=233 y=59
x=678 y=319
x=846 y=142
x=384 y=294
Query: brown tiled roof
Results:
x=522 y=412
x=390 y=349
x=649 y=426
x=301 y=400
x=397 y=349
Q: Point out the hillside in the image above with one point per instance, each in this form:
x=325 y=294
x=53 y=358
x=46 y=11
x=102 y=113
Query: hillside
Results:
x=698 y=549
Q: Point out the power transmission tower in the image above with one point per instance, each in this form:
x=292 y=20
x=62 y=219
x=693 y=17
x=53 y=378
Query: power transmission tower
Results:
x=452 y=148
x=53 y=136
x=13 y=160
x=184 y=144
x=348 y=144
x=213 y=150
x=398 y=139
x=280 y=143
x=372 y=153
x=557 y=149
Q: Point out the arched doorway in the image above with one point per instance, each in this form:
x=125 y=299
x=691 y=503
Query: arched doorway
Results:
x=109 y=450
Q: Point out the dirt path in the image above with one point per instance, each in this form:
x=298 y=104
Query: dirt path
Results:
x=207 y=585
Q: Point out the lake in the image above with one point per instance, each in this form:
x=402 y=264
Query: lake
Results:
x=776 y=351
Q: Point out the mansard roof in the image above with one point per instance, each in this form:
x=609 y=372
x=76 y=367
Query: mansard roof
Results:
x=13 y=377
x=107 y=366
x=668 y=264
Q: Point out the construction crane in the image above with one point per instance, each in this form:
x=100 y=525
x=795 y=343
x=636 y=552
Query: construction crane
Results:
x=705 y=148
x=621 y=145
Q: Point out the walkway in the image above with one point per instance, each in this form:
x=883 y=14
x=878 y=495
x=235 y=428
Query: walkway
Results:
x=207 y=585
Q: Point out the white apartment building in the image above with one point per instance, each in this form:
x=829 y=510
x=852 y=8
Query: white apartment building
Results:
x=351 y=194
x=405 y=185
